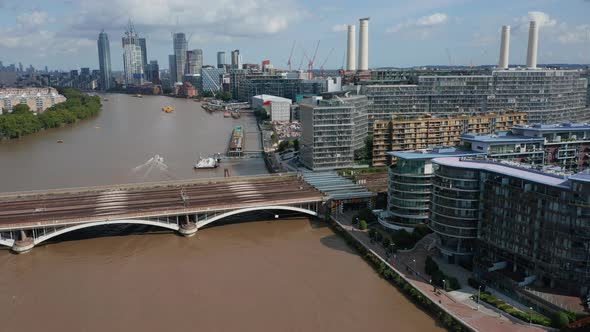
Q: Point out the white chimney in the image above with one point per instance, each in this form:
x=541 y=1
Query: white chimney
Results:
x=351 y=55
x=531 y=57
x=504 y=47
x=364 y=44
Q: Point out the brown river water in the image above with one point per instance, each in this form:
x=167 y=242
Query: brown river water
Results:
x=287 y=275
x=109 y=148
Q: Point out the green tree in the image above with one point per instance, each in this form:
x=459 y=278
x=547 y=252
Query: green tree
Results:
x=296 y=145
x=363 y=225
x=369 y=148
x=225 y=96
x=21 y=109
x=283 y=146
x=561 y=320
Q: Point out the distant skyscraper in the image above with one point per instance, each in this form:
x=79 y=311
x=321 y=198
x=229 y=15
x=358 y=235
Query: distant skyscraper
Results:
x=220 y=59
x=194 y=61
x=143 y=53
x=180 y=48
x=132 y=59
x=20 y=67
x=152 y=72
x=172 y=69
x=236 y=60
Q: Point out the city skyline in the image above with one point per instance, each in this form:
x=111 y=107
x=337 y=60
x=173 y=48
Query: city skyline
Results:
x=403 y=33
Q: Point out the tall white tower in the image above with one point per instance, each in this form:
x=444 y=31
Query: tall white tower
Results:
x=351 y=47
x=531 y=57
x=504 y=47
x=364 y=44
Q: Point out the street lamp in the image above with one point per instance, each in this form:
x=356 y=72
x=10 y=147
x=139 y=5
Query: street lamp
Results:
x=444 y=285
x=478 y=294
x=415 y=272
x=530 y=315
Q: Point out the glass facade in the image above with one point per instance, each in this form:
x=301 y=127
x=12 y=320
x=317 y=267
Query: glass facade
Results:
x=528 y=225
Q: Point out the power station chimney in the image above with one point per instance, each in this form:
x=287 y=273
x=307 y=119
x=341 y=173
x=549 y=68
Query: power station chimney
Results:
x=351 y=47
x=531 y=57
x=504 y=47
x=364 y=44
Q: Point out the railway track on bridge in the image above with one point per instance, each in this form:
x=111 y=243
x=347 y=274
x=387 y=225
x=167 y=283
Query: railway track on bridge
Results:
x=90 y=203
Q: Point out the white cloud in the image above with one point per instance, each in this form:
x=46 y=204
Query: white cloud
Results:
x=340 y=28
x=201 y=18
x=31 y=34
x=31 y=20
x=421 y=23
x=543 y=19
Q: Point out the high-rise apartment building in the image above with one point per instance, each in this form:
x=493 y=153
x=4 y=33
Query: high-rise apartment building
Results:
x=143 y=47
x=519 y=225
x=236 y=60
x=180 y=47
x=546 y=95
x=565 y=146
x=104 y=60
x=194 y=62
x=332 y=128
x=407 y=133
x=132 y=58
x=220 y=59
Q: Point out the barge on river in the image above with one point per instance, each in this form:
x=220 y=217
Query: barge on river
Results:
x=236 y=142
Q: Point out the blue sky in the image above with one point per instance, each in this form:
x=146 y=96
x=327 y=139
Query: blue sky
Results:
x=62 y=34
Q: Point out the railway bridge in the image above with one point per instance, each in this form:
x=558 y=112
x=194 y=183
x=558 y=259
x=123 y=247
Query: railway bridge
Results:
x=28 y=219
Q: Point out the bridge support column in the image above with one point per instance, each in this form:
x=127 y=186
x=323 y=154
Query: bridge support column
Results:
x=188 y=229
x=24 y=244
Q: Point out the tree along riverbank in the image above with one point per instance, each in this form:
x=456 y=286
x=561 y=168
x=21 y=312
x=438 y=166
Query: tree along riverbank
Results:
x=22 y=121
x=445 y=319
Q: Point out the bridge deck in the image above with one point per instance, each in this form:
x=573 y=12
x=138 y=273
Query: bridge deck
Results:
x=88 y=205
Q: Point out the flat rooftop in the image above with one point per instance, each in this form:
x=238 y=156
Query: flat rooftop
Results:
x=435 y=153
x=500 y=138
x=554 y=127
x=506 y=169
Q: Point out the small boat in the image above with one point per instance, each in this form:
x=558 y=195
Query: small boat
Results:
x=138 y=96
x=60 y=141
x=205 y=163
x=168 y=109
x=105 y=99
x=226 y=114
x=235 y=114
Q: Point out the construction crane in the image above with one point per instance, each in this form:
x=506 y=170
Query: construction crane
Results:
x=303 y=57
x=312 y=60
x=449 y=56
x=326 y=60
x=291 y=56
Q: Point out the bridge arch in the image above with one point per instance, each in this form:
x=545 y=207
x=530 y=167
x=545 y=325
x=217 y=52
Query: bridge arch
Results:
x=43 y=238
x=206 y=222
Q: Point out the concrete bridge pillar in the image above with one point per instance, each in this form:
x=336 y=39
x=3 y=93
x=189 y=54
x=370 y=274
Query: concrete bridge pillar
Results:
x=24 y=244
x=188 y=229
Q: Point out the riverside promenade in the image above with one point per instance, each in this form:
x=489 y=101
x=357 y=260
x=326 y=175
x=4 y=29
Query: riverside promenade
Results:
x=456 y=303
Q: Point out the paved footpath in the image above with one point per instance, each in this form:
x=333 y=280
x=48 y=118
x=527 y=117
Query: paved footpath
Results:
x=458 y=303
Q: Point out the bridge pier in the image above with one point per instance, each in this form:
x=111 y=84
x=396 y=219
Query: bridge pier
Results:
x=24 y=244
x=188 y=229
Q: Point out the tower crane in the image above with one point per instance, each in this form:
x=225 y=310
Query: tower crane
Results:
x=326 y=60
x=303 y=57
x=312 y=60
x=291 y=56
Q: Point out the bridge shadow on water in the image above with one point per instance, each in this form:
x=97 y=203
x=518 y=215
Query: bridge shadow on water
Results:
x=116 y=230
x=120 y=230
